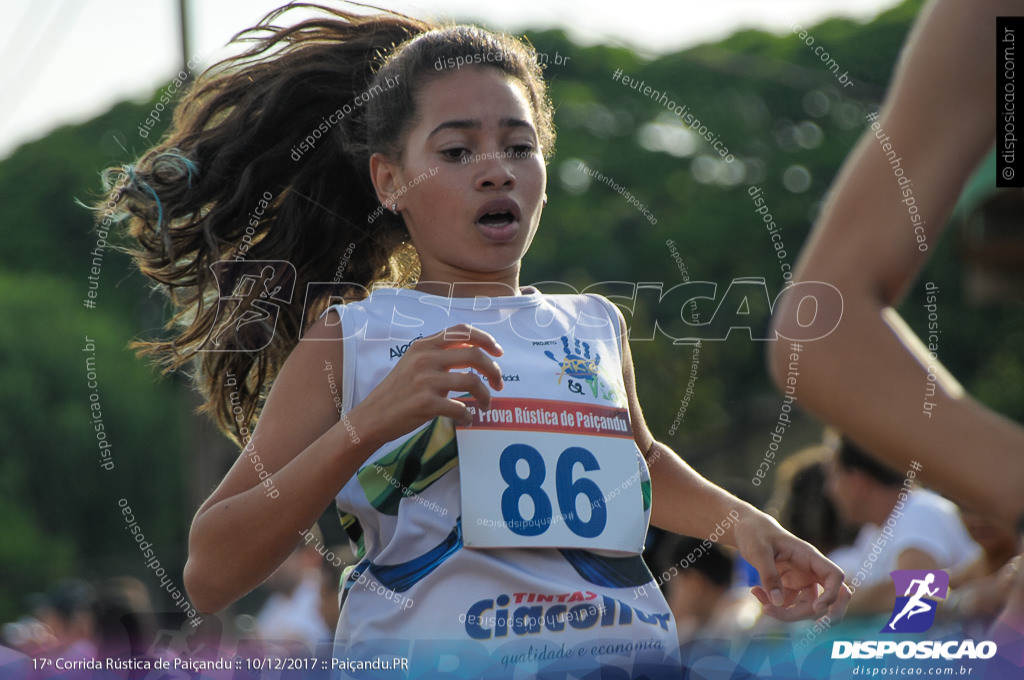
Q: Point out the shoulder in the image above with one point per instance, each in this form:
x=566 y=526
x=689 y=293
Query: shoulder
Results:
x=302 y=403
x=928 y=504
x=319 y=352
x=591 y=309
x=614 y=315
x=929 y=520
x=603 y=302
x=600 y=306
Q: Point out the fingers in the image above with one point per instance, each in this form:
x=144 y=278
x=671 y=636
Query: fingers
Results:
x=837 y=609
x=761 y=595
x=467 y=382
x=803 y=600
x=808 y=566
x=801 y=607
x=430 y=370
x=835 y=596
x=797 y=581
x=464 y=334
x=456 y=410
x=464 y=347
x=762 y=557
x=1011 y=620
x=471 y=357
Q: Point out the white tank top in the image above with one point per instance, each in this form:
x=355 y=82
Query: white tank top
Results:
x=418 y=592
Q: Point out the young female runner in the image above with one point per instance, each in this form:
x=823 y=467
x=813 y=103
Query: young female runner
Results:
x=512 y=542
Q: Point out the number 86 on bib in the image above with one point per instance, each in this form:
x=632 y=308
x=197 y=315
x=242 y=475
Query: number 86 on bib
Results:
x=535 y=482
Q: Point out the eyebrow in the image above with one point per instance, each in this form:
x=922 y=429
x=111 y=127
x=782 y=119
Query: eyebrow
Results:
x=473 y=124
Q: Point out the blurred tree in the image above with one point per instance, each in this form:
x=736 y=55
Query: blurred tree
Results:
x=65 y=519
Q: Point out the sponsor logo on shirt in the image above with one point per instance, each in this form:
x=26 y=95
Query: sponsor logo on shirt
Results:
x=399 y=350
x=530 y=613
x=582 y=370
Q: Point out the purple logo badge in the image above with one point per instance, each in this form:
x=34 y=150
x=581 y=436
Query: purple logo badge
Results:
x=917 y=592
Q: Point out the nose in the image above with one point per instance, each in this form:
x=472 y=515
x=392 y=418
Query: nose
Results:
x=495 y=171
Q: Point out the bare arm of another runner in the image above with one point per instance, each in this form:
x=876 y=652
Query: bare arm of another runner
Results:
x=869 y=376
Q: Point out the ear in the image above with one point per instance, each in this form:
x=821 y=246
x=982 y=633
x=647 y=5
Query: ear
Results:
x=387 y=177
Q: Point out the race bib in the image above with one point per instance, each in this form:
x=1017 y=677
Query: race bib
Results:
x=550 y=474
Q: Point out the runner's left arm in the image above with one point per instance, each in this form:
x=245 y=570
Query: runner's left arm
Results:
x=797 y=580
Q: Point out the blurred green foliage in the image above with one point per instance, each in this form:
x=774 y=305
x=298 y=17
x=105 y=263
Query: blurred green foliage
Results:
x=768 y=98
x=58 y=507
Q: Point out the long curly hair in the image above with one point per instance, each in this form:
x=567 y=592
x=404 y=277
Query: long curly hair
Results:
x=267 y=159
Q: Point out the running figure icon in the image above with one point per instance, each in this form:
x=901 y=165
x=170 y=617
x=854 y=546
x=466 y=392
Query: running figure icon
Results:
x=914 y=604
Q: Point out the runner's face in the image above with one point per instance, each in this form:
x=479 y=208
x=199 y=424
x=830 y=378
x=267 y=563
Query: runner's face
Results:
x=473 y=177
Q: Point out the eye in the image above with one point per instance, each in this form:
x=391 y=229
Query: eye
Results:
x=454 y=154
x=521 y=150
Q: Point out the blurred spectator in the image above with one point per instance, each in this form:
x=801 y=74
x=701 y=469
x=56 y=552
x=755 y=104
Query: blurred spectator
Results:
x=67 y=611
x=913 y=528
x=697 y=591
x=998 y=544
x=28 y=635
x=801 y=504
x=982 y=587
x=292 y=612
x=125 y=623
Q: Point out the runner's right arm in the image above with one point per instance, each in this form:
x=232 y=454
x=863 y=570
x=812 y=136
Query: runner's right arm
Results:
x=240 y=535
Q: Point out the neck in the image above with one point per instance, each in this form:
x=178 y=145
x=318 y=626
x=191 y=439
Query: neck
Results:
x=457 y=284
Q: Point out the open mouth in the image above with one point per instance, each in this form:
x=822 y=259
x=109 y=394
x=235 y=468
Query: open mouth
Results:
x=497 y=219
x=498 y=212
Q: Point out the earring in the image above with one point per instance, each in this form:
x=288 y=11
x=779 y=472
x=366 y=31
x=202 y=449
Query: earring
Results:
x=394 y=208
x=544 y=201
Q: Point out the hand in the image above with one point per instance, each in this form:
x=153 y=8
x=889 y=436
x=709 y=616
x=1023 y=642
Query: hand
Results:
x=797 y=581
x=985 y=596
x=417 y=389
x=1011 y=621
